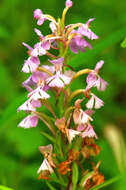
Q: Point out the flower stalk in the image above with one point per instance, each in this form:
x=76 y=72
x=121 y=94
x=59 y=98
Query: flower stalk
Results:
x=70 y=127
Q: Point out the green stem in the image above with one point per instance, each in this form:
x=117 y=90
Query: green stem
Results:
x=74 y=94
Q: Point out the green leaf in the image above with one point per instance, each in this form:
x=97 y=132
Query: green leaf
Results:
x=123 y=44
x=55 y=179
x=84 y=179
x=74 y=175
x=5 y=188
x=108 y=182
x=48 y=136
x=50 y=186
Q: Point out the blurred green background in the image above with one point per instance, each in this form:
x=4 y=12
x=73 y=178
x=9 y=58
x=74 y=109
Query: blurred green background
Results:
x=19 y=155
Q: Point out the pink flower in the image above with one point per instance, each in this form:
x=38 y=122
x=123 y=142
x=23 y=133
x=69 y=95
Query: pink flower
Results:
x=69 y=3
x=98 y=66
x=29 y=121
x=94 y=80
x=52 y=26
x=94 y=102
x=58 y=61
x=58 y=80
x=31 y=64
x=38 y=93
x=89 y=132
x=71 y=134
x=85 y=31
x=27 y=106
x=38 y=50
x=28 y=83
x=81 y=117
x=78 y=43
x=36 y=103
x=38 y=15
x=38 y=32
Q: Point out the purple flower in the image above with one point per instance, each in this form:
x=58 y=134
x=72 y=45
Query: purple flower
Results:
x=89 y=132
x=29 y=121
x=36 y=103
x=38 y=77
x=38 y=15
x=28 y=83
x=58 y=80
x=98 y=66
x=38 y=50
x=85 y=31
x=52 y=26
x=31 y=64
x=57 y=61
x=94 y=102
x=69 y=3
x=78 y=43
x=38 y=93
x=27 y=106
x=38 y=32
x=94 y=80
x=80 y=117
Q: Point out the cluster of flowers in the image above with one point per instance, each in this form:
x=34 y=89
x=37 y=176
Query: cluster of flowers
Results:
x=75 y=123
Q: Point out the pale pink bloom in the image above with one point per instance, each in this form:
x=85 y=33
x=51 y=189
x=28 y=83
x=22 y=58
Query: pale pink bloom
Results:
x=50 y=68
x=38 y=93
x=95 y=102
x=71 y=134
x=94 y=80
x=29 y=121
x=81 y=117
x=89 y=132
x=38 y=50
x=57 y=61
x=38 y=15
x=38 y=32
x=80 y=127
x=52 y=26
x=98 y=66
x=36 y=103
x=101 y=84
x=78 y=43
x=58 y=80
x=31 y=64
x=69 y=3
x=86 y=31
x=27 y=46
x=85 y=118
x=38 y=76
x=27 y=106
x=45 y=166
x=89 y=112
x=28 y=84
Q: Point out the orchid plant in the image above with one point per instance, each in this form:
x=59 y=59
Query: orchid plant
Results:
x=70 y=132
